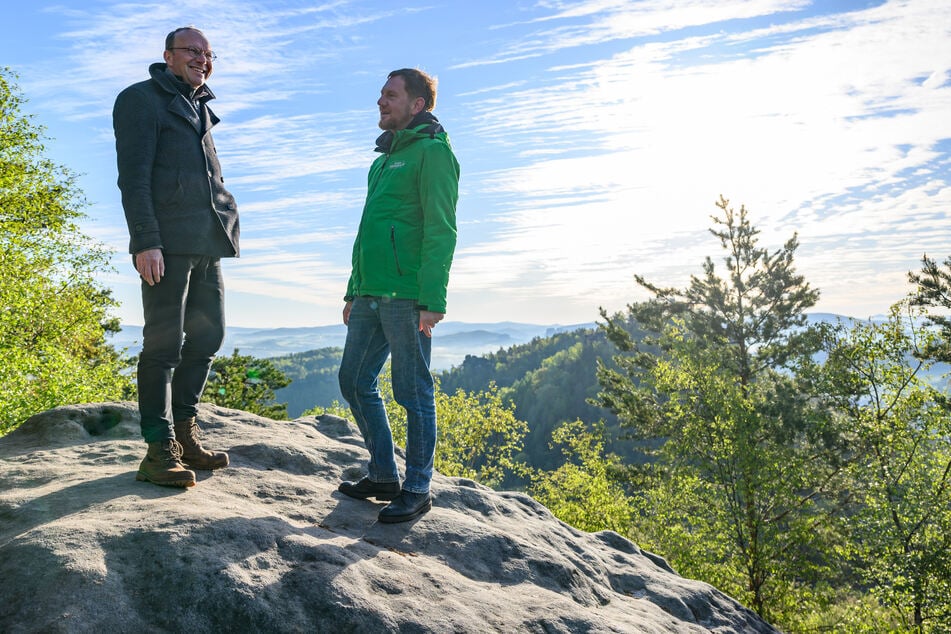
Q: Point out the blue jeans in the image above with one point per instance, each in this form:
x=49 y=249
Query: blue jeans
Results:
x=184 y=327
x=381 y=327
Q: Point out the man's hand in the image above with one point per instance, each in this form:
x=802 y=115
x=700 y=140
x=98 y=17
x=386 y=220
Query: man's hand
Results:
x=151 y=265
x=428 y=321
x=346 y=313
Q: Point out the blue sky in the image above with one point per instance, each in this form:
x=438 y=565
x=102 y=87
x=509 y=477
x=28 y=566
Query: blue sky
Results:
x=594 y=137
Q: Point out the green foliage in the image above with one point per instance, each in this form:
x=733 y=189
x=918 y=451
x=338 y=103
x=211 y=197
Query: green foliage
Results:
x=243 y=382
x=582 y=492
x=479 y=435
x=755 y=314
x=548 y=381
x=508 y=365
x=901 y=529
x=845 y=610
x=54 y=313
x=933 y=290
x=313 y=376
x=747 y=471
x=676 y=518
x=336 y=408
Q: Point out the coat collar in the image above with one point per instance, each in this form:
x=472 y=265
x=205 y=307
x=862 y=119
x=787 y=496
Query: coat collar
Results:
x=181 y=104
x=424 y=123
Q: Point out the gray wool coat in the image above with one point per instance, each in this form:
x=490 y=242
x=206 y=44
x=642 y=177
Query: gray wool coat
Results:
x=173 y=193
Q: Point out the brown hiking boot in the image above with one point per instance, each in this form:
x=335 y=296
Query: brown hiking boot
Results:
x=162 y=465
x=193 y=454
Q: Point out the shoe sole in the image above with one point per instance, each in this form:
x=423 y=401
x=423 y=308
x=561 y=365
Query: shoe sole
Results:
x=205 y=467
x=396 y=519
x=383 y=497
x=169 y=483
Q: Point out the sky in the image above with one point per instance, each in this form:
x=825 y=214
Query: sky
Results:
x=594 y=138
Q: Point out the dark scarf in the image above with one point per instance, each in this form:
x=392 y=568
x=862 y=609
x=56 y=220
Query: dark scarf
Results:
x=385 y=140
x=196 y=96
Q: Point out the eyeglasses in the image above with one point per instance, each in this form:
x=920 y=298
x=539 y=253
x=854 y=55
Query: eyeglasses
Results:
x=195 y=52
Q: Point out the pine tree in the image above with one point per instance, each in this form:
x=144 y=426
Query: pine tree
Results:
x=746 y=466
x=933 y=291
x=244 y=382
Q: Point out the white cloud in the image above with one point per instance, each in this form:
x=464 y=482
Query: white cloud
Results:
x=594 y=137
x=822 y=109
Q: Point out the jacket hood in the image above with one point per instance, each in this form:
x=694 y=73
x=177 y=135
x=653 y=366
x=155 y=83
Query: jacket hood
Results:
x=431 y=127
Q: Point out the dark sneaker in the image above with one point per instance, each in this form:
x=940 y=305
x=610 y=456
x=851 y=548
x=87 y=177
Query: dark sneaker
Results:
x=367 y=488
x=407 y=506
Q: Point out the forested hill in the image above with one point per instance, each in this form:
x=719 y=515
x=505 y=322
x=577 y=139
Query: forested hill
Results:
x=313 y=376
x=549 y=380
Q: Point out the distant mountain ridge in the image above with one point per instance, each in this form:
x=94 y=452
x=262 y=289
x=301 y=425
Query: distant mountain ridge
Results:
x=450 y=336
x=452 y=340
x=525 y=360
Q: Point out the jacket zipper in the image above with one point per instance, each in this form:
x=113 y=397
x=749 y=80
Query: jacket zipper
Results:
x=399 y=270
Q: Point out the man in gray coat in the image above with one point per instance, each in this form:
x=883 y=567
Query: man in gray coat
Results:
x=181 y=221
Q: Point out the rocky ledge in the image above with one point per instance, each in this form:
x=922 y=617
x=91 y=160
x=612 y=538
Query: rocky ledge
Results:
x=269 y=545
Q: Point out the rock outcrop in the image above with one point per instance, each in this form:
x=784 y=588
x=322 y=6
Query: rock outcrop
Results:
x=269 y=545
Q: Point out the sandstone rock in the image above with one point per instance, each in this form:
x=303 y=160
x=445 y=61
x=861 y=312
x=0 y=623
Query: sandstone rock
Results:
x=269 y=545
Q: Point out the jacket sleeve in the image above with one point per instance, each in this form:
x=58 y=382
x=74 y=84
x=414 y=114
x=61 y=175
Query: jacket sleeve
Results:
x=354 y=271
x=136 y=128
x=439 y=193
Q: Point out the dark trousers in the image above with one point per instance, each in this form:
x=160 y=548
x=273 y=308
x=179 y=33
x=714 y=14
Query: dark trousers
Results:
x=184 y=328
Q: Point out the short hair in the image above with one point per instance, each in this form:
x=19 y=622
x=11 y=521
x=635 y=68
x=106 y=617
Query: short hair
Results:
x=418 y=84
x=170 y=38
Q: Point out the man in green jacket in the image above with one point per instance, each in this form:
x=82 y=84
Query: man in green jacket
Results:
x=397 y=291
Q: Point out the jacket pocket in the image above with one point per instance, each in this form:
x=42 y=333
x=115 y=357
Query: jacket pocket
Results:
x=168 y=192
x=396 y=254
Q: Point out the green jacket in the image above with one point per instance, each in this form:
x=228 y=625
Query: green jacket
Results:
x=407 y=233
